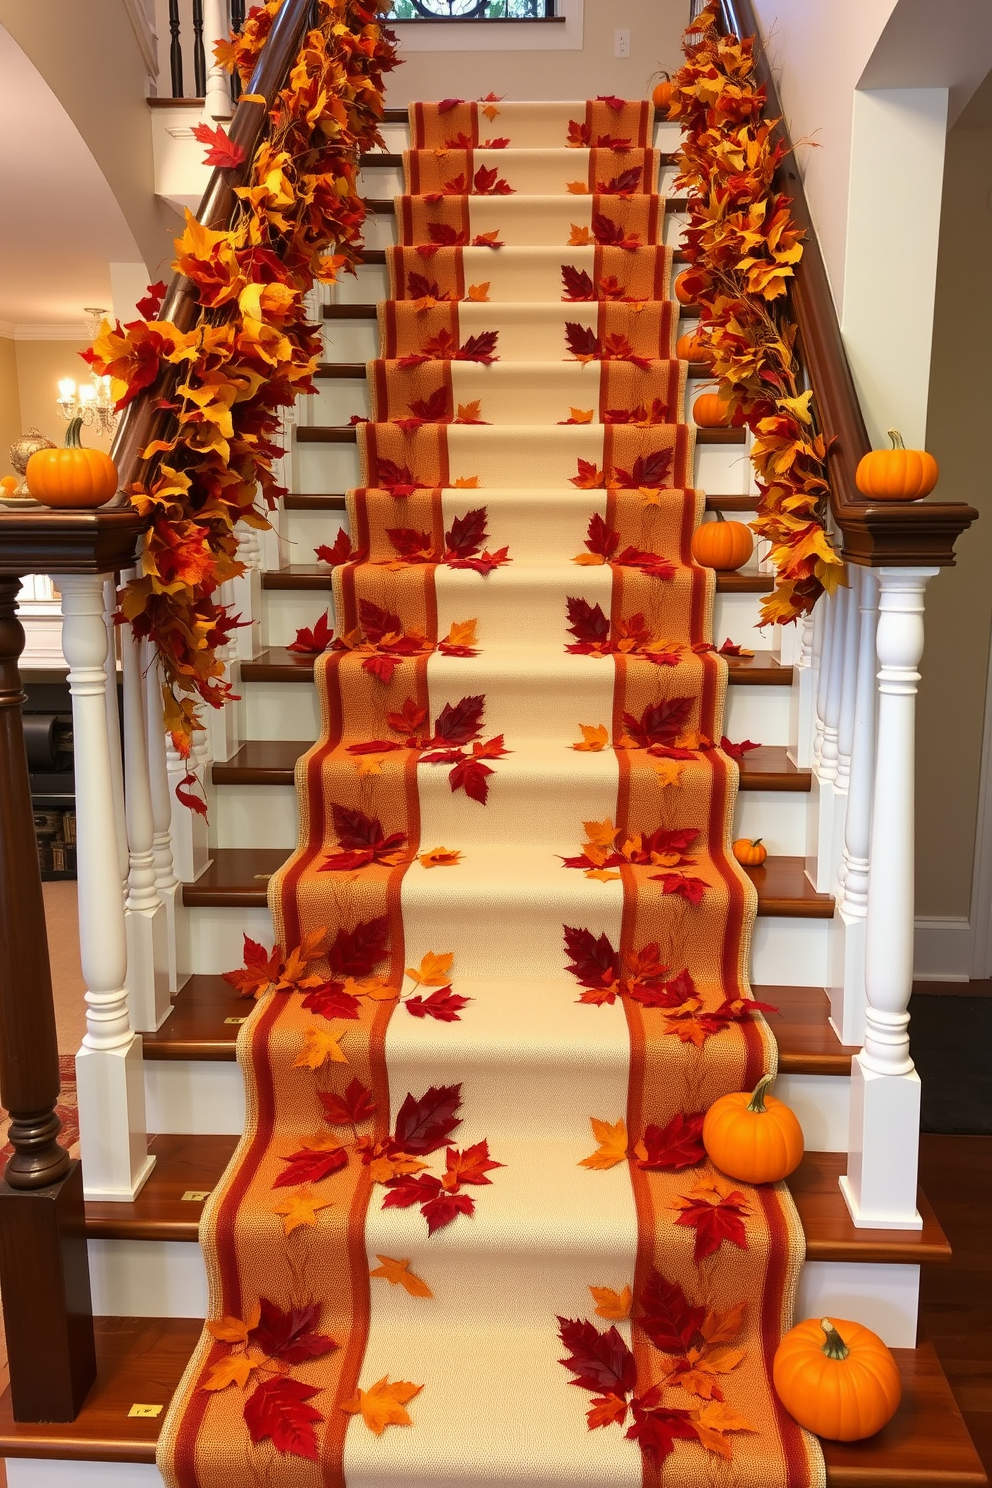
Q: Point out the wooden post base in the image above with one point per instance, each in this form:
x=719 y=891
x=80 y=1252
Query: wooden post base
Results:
x=45 y=1285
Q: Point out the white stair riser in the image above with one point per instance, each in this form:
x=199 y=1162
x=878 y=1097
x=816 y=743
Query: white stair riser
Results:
x=185 y=1096
x=216 y=943
x=285 y=610
x=882 y=1297
x=380 y=231
x=36 y=1472
x=288 y=710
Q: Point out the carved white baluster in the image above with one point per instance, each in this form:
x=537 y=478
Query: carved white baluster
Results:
x=833 y=848
x=247 y=596
x=880 y=1185
x=823 y=635
x=801 y=701
x=216 y=27
x=190 y=850
x=114 y=731
x=847 y=979
x=820 y=816
x=109 y=1074
x=222 y=724
x=147 y=928
x=166 y=882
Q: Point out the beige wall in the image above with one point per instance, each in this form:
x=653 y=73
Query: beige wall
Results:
x=10 y=408
x=959 y=601
x=40 y=365
x=655 y=30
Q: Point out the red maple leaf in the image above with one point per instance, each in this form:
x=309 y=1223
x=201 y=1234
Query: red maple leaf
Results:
x=277 y=1409
x=311 y=641
x=608 y=232
x=647 y=470
x=666 y=1315
x=468 y=1166
x=445 y=236
x=622 y=185
x=399 y=479
x=582 y=341
x=487 y=182
x=471 y=776
x=467 y=534
x=461 y=723
x=419 y=287
x=737 y=751
x=310 y=1164
x=409 y=718
x=447 y=104
x=350 y=1109
x=611 y=100
x=579 y=134
x=484 y=563
x=684 y=884
x=593 y=962
x=340 y=551
x=577 y=284
x=424 y=1125
x=151 y=303
x=587 y=622
x=289 y=1336
x=677 y=1145
x=601 y=539
x=356 y=952
x=660 y=723
x=433 y=410
x=443 y=1208
x=601 y=1361
x=223 y=152
x=588 y=477
x=478 y=348
x=656 y=1430
x=412 y=546
x=716 y=1221
x=652 y=564
x=443 y=1004
x=408 y=1189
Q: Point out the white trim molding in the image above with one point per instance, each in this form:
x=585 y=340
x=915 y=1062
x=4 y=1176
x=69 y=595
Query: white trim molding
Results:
x=141 y=14
x=943 y=949
x=68 y=331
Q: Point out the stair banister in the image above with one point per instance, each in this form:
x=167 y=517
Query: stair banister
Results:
x=904 y=544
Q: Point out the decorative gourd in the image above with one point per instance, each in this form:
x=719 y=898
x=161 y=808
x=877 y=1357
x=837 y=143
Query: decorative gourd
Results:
x=837 y=1379
x=681 y=293
x=661 y=95
x=692 y=348
x=750 y=852
x=753 y=1138
x=8 y=485
x=71 y=476
x=897 y=474
x=709 y=411
x=721 y=544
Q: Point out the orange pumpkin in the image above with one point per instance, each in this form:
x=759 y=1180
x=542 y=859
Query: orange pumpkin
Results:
x=753 y=1138
x=837 y=1379
x=751 y=853
x=681 y=293
x=721 y=544
x=897 y=474
x=709 y=411
x=692 y=348
x=661 y=95
x=71 y=476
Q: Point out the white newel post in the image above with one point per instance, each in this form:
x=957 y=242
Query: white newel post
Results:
x=216 y=27
x=847 y=981
x=146 y=919
x=166 y=882
x=883 y=1150
x=109 y=1074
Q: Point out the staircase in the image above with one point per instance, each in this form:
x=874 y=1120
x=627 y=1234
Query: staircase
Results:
x=148 y=1279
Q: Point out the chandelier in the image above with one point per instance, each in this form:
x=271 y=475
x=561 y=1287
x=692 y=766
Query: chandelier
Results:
x=92 y=401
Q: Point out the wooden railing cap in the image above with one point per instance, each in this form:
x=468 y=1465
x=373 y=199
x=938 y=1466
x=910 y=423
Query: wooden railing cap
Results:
x=71 y=542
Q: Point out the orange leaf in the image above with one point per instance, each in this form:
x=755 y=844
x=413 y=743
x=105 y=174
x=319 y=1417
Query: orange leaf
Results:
x=439 y=857
x=579 y=237
x=577 y=188
x=589 y=560
x=469 y=413
x=433 y=969
x=300 y=1208
x=232 y=1329
x=594 y=737
x=466 y=483
x=606 y=1410
x=490 y=112
x=667 y=772
x=582 y=415
x=397 y=1273
x=479 y=292
x=611 y=1304
x=462 y=633
x=604 y=875
x=713 y=1421
x=367 y=764
x=612 y=1147
x=383 y=1404
x=601 y=834
x=235 y=1369
x=723 y=1327
x=319 y=1046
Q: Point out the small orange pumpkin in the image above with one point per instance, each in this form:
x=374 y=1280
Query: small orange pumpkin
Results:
x=837 y=1379
x=754 y=1138
x=709 y=411
x=71 y=476
x=721 y=544
x=681 y=293
x=897 y=474
x=692 y=348
x=750 y=852
x=661 y=95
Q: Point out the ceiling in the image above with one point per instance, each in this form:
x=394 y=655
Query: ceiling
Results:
x=61 y=226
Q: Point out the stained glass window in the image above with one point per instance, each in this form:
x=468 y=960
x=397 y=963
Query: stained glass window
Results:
x=471 y=10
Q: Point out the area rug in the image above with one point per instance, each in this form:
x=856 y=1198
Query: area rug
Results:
x=470 y=1234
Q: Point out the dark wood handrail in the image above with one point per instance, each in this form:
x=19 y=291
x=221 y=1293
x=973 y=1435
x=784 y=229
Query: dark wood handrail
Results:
x=898 y=534
x=142 y=421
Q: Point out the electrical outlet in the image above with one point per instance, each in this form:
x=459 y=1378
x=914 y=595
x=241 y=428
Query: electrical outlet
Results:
x=621 y=43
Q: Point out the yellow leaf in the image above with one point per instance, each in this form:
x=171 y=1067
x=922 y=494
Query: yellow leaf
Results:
x=668 y=772
x=234 y=1370
x=466 y=483
x=601 y=833
x=439 y=857
x=300 y=1208
x=713 y=1421
x=367 y=764
x=612 y=1147
x=479 y=292
x=579 y=237
x=384 y=1404
x=588 y=560
x=604 y=875
x=375 y=987
x=231 y=1329
x=649 y=496
x=582 y=415
x=577 y=188
x=398 y=1273
x=470 y=412
x=594 y=737
x=433 y=969
x=319 y=1046
x=462 y=633
x=722 y=1327
x=490 y=112
x=611 y=1304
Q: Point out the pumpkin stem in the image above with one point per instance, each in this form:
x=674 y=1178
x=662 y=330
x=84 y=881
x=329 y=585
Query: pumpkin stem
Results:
x=756 y=841
x=896 y=438
x=719 y=515
x=834 y=1347
x=72 y=439
x=757 y=1101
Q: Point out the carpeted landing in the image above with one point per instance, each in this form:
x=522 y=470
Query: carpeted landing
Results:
x=470 y=1234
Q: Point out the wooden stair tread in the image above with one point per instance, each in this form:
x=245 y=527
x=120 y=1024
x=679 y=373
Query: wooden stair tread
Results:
x=925 y=1445
x=386 y=205
x=278 y=664
x=272 y=761
x=357 y=370
x=375 y=256
x=348 y=434
x=191 y=1163
x=207 y=1014
x=380 y=158
x=369 y=310
x=237 y=877
x=335 y=501
x=318 y=576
